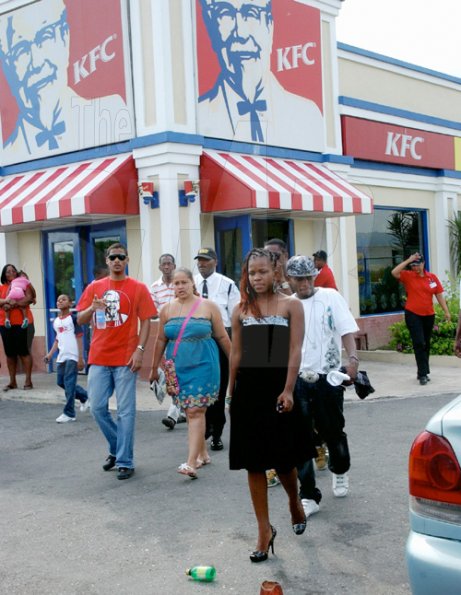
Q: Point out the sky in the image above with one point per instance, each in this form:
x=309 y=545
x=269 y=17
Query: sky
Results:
x=422 y=32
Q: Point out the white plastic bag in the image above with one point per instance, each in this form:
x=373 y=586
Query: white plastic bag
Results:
x=159 y=386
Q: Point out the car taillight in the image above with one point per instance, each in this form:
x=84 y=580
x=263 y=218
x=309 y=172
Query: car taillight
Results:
x=434 y=471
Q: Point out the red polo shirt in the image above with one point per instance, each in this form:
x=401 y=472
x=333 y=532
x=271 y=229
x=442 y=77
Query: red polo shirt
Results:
x=325 y=278
x=420 y=291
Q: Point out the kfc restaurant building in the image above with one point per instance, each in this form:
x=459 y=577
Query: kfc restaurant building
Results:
x=173 y=124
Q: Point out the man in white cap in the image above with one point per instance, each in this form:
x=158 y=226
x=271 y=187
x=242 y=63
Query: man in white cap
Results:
x=328 y=325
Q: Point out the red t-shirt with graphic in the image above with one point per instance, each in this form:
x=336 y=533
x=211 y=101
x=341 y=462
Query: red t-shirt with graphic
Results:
x=127 y=302
x=420 y=291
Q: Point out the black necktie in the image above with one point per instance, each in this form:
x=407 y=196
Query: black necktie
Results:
x=205 y=289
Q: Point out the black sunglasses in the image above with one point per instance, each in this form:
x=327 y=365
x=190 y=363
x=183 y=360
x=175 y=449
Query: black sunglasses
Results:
x=121 y=257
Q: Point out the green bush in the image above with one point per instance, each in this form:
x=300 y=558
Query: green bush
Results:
x=443 y=334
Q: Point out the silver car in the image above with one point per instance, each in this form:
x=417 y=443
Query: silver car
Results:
x=433 y=550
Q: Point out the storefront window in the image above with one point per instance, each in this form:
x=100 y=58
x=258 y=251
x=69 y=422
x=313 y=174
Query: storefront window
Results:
x=384 y=239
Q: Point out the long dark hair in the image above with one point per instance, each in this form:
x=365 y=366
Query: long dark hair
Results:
x=3 y=277
x=248 y=301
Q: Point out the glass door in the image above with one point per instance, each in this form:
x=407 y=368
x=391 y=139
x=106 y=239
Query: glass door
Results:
x=71 y=258
x=64 y=253
x=232 y=241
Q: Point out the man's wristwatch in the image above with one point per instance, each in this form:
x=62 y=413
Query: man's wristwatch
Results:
x=140 y=347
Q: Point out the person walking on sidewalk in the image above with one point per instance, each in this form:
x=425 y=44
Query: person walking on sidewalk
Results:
x=267 y=332
x=329 y=325
x=224 y=293
x=162 y=292
x=421 y=287
x=190 y=329
x=116 y=353
x=69 y=345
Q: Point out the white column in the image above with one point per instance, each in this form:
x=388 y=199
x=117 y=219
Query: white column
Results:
x=446 y=206
x=9 y=249
x=170 y=228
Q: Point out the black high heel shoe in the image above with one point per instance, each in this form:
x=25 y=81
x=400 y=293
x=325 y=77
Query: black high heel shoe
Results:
x=261 y=556
x=299 y=528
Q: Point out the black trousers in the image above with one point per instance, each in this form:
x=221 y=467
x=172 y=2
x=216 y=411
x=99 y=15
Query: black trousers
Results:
x=320 y=405
x=420 y=328
x=215 y=417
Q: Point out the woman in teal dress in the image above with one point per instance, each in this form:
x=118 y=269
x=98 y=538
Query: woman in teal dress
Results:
x=196 y=360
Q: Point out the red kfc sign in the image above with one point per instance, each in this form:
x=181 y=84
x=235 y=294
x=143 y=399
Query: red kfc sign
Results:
x=63 y=85
x=377 y=141
x=259 y=68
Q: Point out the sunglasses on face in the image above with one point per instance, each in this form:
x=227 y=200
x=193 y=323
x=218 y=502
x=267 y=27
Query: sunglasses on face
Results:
x=121 y=257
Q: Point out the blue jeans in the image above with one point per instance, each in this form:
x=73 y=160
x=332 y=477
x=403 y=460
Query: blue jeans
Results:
x=320 y=405
x=102 y=382
x=66 y=378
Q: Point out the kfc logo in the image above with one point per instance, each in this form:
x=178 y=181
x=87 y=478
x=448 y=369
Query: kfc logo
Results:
x=288 y=58
x=82 y=69
x=403 y=145
x=52 y=100
x=259 y=79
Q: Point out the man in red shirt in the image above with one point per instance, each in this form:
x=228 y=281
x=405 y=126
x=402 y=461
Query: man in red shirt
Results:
x=325 y=278
x=116 y=353
x=420 y=287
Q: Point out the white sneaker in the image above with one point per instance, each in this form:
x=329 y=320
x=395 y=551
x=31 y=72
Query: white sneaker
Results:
x=340 y=485
x=85 y=406
x=63 y=418
x=310 y=507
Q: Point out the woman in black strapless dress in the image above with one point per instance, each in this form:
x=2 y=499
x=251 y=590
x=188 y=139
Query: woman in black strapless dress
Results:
x=267 y=335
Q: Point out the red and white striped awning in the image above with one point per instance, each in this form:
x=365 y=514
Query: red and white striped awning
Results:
x=231 y=182
x=105 y=186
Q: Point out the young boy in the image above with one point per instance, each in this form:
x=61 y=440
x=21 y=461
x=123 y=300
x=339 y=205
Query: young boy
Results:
x=69 y=343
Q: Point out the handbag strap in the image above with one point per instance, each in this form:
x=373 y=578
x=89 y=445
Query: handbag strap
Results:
x=186 y=320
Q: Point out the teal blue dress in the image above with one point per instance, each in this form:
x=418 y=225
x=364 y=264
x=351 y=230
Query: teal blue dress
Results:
x=196 y=362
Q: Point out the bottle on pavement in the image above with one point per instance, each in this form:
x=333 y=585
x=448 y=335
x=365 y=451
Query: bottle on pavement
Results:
x=202 y=573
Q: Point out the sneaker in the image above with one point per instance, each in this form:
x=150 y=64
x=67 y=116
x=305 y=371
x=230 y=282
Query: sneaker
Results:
x=63 y=419
x=124 y=472
x=321 y=460
x=272 y=478
x=169 y=422
x=182 y=419
x=85 y=406
x=310 y=507
x=110 y=463
x=216 y=444
x=340 y=485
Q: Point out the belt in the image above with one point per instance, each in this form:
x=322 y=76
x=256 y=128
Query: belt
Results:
x=311 y=377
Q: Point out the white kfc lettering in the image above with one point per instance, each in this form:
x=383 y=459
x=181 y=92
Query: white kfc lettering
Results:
x=98 y=53
x=398 y=145
x=289 y=57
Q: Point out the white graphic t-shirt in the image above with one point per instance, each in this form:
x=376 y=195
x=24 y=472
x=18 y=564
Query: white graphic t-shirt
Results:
x=327 y=318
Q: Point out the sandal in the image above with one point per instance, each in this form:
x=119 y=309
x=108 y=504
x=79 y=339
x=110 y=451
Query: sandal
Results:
x=202 y=462
x=9 y=387
x=186 y=469
x=28 y=386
